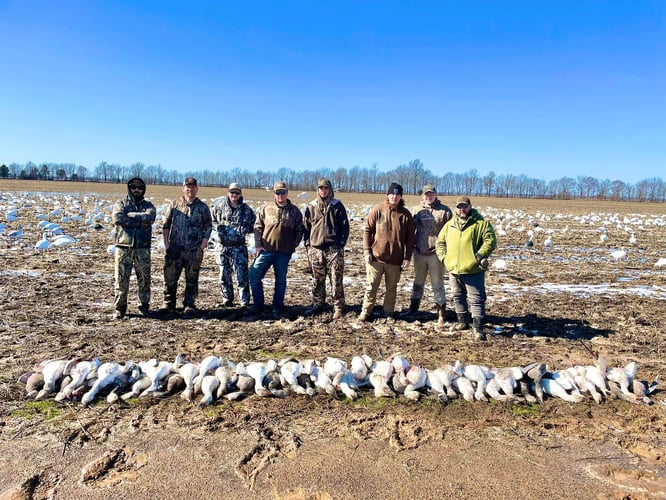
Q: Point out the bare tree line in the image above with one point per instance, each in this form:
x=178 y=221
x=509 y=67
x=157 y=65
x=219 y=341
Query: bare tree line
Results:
x=412 y=176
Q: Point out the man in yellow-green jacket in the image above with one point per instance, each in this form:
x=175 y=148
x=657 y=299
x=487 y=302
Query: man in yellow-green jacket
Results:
x=464 y=245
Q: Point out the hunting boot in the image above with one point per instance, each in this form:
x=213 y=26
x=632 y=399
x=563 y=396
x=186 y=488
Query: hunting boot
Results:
x=462 y=324
x=477 y=328
x=441 y=314
x=413 y=309
x=337 y=312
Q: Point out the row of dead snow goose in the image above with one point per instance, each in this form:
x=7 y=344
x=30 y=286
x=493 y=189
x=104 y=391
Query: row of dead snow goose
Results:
x=215 y=378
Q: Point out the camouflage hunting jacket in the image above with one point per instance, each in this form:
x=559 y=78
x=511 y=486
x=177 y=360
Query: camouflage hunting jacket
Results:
x=189 y=223
x=134 y=222
x=233 y=223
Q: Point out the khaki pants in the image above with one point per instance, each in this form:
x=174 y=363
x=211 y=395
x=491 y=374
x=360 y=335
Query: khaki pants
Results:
x=374 y=272
x=424 y=265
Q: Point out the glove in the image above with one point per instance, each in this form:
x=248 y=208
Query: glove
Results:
x=405 y=265
x=482 y=262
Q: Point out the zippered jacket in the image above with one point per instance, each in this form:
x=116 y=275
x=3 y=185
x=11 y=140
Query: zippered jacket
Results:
x=460 y=241
x=278 y=229
x=325 y=224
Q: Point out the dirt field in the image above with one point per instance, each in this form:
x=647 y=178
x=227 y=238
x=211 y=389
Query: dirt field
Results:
x=553 y=304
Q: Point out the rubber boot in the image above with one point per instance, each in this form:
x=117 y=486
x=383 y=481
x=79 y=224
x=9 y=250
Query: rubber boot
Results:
x=477 y=328
x=413 y=309
x=441 y=314
x=462 y=324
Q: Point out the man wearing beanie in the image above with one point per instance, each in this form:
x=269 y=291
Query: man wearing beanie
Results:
x=388 y=242
x=464 y=245
x=133 y=217
x=429 y=218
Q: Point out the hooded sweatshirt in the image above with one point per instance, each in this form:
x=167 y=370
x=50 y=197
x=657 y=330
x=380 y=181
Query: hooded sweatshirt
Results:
x=133 y=217
x=326 y=223
x=389 y=234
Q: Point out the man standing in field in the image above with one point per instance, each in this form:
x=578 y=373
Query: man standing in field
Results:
x=388 y=242
x=277 y=232
x=429 y=218
x=186 y=231
x=233 y=219
x=464 y=245
x=326 y=231
x=133 y=217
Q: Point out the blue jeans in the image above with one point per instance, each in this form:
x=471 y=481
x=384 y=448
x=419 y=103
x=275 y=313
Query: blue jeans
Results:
x=259 y=268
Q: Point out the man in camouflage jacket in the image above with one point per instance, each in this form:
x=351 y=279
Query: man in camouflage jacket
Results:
x=133 y=217
x=326 y=231
x=186 y=231
x=233 y=219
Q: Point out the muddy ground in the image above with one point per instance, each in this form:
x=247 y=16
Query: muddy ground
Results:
x=552 y=304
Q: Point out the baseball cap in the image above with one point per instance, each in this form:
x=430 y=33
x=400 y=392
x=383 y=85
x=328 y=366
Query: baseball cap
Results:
x=190 y=181
x=280 y=185
x=429 y=188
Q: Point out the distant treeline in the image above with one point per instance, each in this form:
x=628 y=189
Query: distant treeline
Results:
x=412 y=176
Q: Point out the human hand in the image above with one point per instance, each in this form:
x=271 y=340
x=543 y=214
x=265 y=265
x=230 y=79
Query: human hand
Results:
x=405 y=265
x=482 y=262
x=368 y=258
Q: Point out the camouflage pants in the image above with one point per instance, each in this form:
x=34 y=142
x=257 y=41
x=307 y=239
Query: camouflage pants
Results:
x=230 y=259
x=126 y=259
x=175 y=261
x=327 y=262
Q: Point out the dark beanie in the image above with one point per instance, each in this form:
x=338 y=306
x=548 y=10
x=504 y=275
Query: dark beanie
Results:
x=395 y=188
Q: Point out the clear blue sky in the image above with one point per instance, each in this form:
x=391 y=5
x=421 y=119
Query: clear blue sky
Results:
x=542 y=88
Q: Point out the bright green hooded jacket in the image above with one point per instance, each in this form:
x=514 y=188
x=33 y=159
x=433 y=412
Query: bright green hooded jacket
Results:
x=460 y=241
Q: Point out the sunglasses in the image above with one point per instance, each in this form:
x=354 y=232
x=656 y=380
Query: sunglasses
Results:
x=280 y=192
x=235 y=192
x=463 y=205
x=136 y=187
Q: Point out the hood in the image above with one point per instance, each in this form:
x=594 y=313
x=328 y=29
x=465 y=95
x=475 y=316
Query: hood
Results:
x=136 y=180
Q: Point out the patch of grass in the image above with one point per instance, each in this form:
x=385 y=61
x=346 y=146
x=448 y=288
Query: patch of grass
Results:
x=531 y=409
x=32 y=409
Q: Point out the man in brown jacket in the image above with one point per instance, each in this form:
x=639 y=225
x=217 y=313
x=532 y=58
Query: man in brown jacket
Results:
x=388 y=242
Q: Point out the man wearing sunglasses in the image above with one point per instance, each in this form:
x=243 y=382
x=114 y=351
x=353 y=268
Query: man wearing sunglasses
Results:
x=233 y=220
x=464 y=245
x=277 y=232
x=133 y=217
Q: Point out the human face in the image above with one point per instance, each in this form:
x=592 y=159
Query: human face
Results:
x=394 y=198
x=429 y=197
x=463 y=209
x=190 y=191
x=281 y=196
x=323 y=191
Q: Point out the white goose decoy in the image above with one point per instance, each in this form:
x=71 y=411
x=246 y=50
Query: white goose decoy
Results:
x=632 y=239
x=42 y=244
x=499 y=265
x=618 y=254
x=661 y=262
